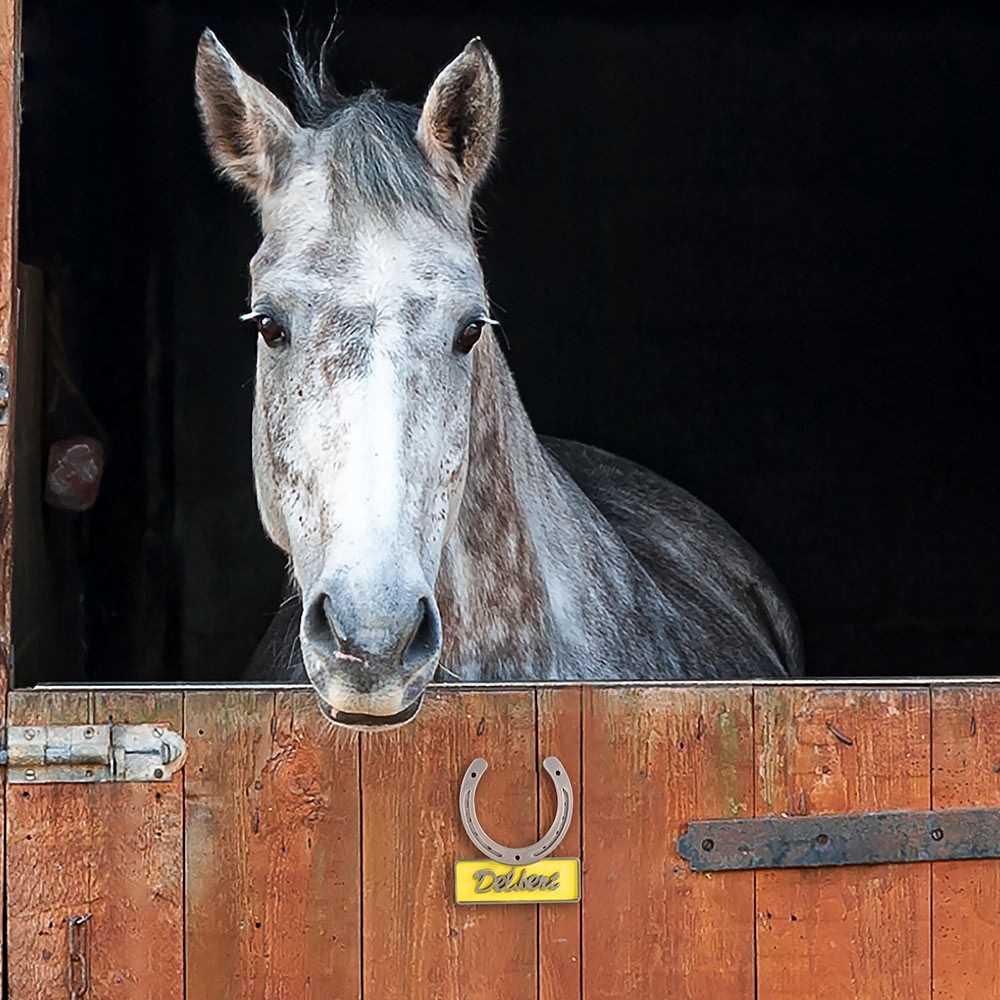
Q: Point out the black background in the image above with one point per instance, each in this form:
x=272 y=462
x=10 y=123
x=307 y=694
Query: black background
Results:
x=752 y=248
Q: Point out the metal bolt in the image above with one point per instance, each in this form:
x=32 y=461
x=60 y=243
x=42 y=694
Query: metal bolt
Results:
x=822 y=839
x=29 y=774
x=707 y=844
x=158 y=773
x=88 y=733
x=29 y=734
x=937 y=833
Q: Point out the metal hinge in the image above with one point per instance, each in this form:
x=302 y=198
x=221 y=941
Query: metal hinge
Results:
x=885 y=838
x=42 y=755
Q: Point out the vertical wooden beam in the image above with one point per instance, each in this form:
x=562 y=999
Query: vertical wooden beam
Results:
x=418 y=943
x=559 y=714
x=653 y=759
x=50 y=859
x=10 y=114
x=272 y=849
x=830 y=933
x=966 y=894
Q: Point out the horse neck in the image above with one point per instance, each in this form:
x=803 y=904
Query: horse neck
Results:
x=503 y=591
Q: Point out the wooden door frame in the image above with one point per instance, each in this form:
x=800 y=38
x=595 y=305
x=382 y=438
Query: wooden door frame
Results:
x=10 y=115
x=10 y=122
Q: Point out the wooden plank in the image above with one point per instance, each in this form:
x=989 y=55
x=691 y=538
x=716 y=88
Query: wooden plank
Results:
x=10 y=102
x=418 y=943
x=652 y=760
x=272 y=849
x=843 y=932
x=965 y=730
x=10 y=113
x=559 y=714
x=50 y=859
x=137 y=868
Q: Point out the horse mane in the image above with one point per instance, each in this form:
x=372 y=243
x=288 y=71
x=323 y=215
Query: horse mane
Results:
x=316 y=93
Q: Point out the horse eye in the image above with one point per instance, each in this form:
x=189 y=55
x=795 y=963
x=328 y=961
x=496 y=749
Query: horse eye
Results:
x=466 y=340
x=270 y=330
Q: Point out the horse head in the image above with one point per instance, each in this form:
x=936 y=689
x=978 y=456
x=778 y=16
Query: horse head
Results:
x=369 y=300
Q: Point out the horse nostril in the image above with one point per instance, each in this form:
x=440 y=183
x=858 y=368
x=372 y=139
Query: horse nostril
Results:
x=386 y=641
x=426 y=639
x=320 y=622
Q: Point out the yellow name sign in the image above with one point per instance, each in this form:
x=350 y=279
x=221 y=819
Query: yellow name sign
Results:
x=554 y=880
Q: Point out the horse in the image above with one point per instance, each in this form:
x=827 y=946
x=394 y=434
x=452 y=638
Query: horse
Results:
x=430 y=533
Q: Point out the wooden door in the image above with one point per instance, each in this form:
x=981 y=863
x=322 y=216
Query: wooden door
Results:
x=290 y=859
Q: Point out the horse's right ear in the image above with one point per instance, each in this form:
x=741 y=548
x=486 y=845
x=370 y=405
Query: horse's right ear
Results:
x=249 y=132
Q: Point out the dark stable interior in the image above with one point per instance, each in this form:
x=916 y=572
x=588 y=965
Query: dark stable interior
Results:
x=752 y=249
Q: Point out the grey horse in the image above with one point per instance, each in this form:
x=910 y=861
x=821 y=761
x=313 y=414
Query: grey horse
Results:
x=431 y=534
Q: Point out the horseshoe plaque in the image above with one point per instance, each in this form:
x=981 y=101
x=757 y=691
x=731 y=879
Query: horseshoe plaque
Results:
x=517 y=874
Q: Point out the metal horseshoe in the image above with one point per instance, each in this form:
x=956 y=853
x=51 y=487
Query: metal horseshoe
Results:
x=516 y=855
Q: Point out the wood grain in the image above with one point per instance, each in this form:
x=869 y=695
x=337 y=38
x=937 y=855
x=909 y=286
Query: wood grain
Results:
x=272 y=860
x=137 y=869
x=863 y=931
x=10 y=103
x=10 y=112
x=418 y=943
x=50 y=859
x=559 y=715
x=653 y=758
x=965 y=726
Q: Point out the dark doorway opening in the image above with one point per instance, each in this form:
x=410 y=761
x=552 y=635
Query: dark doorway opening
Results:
x=754 y=251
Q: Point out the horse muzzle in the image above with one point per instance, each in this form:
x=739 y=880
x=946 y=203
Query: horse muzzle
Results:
x=370 y=672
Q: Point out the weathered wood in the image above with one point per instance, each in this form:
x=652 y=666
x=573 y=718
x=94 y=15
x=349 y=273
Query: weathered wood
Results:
x=965 y=728
x=10 y=102
x=418 y=943
x=50 y=859
x=137 y=869
x=843 y=932
x=654 y=758
x=559 y=715
x=272 y=858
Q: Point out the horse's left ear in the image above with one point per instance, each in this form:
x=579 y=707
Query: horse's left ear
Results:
x=460 y=120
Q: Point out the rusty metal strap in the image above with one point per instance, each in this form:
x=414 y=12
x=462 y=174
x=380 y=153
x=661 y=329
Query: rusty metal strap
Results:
x=847 y=839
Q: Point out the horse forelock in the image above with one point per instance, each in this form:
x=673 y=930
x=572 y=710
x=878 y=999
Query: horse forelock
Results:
x=367 y=148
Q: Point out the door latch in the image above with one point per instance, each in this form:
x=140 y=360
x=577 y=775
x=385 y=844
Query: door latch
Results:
x=41 y=755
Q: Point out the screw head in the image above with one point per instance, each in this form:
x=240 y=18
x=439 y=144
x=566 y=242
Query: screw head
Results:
x=157 y=731
x=937 y=833
x=88 y=733
x=707 y=844
x=29 y=774
x=158 y=773
x=29 y=734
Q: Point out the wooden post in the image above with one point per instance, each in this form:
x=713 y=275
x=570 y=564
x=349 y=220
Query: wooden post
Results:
x=10 y=102
x=10 y=114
